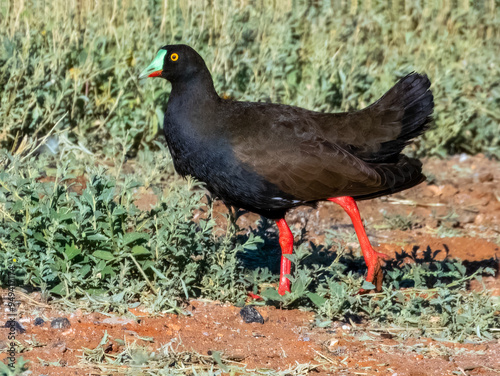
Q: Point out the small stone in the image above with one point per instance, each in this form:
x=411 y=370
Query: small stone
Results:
x=479 y=219
x=467 y=217
x=333 y=344
x=488 y=176
x=471 y=367
x=115 y=320
x=16 y=325
x=60 y=323
x=109 y=348
x=39 y=321
x=250 y=314
x=59 y=346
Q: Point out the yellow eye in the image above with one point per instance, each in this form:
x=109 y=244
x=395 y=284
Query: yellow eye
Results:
x=174 y=57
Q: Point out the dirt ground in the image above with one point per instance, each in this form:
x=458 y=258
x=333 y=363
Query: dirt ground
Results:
x=455 y=214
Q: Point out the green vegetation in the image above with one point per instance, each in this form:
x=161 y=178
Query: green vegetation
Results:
x=168 y=360
x=68 y=72
x=82 y=59
x=97 y=249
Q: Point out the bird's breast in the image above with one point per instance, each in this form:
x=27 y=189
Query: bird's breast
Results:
x=210 y=158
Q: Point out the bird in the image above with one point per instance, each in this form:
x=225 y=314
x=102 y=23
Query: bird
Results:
x=268 y=158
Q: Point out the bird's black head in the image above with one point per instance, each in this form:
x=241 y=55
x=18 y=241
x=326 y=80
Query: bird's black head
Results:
x=175 y=62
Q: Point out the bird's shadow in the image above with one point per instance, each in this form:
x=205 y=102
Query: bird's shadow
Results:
x=437 y=261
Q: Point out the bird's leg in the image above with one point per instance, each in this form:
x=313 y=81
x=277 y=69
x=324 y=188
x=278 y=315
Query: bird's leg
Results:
x=372 y=258
x=286 y=244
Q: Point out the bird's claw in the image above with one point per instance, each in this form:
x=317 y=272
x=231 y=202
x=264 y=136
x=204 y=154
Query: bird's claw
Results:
x=252 y=296
x=374 y=274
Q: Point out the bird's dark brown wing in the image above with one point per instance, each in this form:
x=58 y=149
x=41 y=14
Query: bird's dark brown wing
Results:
x=285 y=146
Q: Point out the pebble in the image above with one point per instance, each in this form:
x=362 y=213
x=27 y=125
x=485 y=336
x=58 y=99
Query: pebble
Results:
x=479 y=219
x=59 y=346
x=115 y=320
x=488 y=176
x=249 y=314
x=60 y=323
x=333 y=344
x=18 y=327
x=467 y=217
x=39 y=321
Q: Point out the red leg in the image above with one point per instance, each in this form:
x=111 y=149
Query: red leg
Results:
x=286 y=243
x=372 y=258
x=252 y=296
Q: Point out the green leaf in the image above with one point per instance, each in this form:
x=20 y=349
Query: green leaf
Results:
x=131 y=237
x=324 y=324
x=271 y=294
x=84 y=270
x=119 y=210
x=140 y=250
x=62 y=217
x=59 y=289
x=158 y=273
x=107 y=270
x=368 y=285
x=104 y=255
x=316 y=299
x=71 y=251
x=107 y=195
x=218 y=360
x=147 y=264
x=97 y=237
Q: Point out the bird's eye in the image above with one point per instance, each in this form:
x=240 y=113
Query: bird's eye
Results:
x=174 y=57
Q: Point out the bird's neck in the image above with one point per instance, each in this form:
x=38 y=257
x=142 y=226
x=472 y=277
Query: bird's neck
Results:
x=198 y=89
x=191 y=106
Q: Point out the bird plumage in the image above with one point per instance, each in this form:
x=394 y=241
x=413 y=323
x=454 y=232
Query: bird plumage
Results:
x=268 y=158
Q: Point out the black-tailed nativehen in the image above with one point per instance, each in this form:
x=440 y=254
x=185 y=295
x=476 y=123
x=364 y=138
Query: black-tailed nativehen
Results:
x=268 y=158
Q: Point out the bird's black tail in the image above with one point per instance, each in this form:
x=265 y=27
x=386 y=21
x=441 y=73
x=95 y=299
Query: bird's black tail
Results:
x=408 y=104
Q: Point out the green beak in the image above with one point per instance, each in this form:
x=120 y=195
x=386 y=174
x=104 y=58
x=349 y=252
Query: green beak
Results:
x=156 y=67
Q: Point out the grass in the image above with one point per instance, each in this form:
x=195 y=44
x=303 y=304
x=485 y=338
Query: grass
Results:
x=98 y=250
x=168 y=360
x=72 y=106
x=82 y=59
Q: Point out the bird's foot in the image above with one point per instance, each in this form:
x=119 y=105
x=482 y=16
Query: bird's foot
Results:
x=252 y=296
x=374 y=262
x=284 y=286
